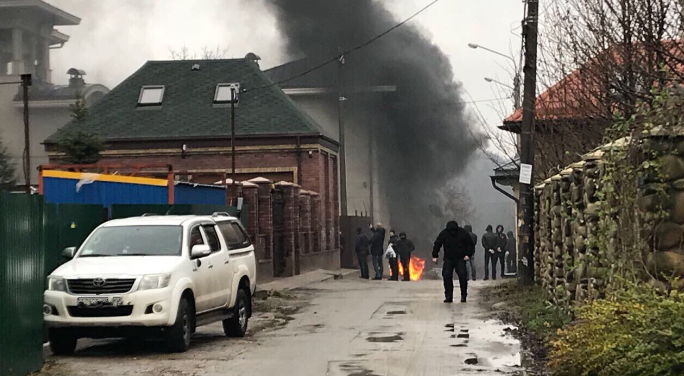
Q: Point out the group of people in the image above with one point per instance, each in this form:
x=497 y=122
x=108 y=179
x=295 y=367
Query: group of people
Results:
x=399 y=249
x=459 y=248
x=499 y=248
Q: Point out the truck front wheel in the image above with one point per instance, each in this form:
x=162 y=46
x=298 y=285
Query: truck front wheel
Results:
x=62 y=341
x=236 y=326
x=178 y=335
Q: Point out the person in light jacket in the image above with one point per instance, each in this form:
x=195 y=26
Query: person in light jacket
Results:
x=391 y=255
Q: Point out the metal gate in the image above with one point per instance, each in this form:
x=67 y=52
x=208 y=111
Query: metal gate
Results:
x=279 y=257
x=22 y=235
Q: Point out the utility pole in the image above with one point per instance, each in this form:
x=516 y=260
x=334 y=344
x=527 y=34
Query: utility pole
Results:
x=343 y=161
x=25 y=83
x=526 y=204
x=233 y=98
x=371 y=168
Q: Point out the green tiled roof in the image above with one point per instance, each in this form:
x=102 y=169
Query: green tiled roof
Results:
x=187 y=110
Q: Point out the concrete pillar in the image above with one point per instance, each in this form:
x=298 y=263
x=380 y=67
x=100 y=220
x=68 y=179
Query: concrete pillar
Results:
x=18 y=52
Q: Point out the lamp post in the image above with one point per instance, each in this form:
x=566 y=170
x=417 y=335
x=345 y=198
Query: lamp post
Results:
x=516 y=79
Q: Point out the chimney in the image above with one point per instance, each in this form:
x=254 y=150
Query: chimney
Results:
x=76 y=78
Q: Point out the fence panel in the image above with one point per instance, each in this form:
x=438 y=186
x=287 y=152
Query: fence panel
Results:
x=68 y=225
x=22 y=235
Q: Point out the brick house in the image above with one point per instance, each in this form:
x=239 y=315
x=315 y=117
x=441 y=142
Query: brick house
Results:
x=176 y=113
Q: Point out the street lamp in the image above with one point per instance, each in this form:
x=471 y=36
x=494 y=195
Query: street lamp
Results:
x=498 y=82
x=516 y=79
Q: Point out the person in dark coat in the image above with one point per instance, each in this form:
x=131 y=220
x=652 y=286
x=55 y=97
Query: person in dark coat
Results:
x=470 y=264
x=377 y=249
x=512 y=254
x=500 y=255
x=405 y=248
x=392 y=257
x=490 y=242
x=458 y=248
x=362 y=244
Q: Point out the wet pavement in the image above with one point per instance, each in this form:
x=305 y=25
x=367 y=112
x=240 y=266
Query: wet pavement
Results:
x=348 y=328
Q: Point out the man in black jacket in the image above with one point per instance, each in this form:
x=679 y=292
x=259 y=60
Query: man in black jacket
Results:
x=405 y=247
x=458 y=248
x=500 y=252
x=377 y=249
x=362 y=243
x=490 y=242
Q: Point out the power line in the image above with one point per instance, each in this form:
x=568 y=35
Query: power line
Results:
x=358 y=47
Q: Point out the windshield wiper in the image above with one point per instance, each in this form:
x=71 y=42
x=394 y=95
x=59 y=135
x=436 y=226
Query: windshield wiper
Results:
x=95 y=256
x=135 y=254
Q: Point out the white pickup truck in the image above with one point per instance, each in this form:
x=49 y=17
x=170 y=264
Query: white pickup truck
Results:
x=153 y=275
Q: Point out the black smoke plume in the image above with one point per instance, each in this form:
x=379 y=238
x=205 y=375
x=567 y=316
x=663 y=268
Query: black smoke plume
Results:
x=425 y=143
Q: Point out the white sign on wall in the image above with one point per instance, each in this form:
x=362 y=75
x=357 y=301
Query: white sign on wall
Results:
x=525 y=174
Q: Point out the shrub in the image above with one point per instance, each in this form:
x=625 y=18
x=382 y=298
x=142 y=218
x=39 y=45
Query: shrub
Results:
x=634 y=332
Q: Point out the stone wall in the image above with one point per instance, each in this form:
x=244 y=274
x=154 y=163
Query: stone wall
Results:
x=568 y=229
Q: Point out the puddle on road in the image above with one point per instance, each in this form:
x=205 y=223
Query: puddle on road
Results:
x=386 y=338
x=491 y=345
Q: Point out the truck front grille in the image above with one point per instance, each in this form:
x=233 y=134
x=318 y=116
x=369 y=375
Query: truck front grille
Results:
x=75 y=311
x=99 y=286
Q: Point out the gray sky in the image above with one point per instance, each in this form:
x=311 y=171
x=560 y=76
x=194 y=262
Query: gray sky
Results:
x=117 y=36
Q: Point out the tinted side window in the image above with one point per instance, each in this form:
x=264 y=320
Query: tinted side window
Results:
x=242 y=235
x=195 y=237
x=212 y=238
x=235 y=237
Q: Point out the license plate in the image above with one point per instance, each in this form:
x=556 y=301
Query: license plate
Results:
x=99 y=301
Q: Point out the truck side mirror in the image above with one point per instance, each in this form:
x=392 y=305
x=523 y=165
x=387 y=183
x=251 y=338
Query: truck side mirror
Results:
x=69 y=252
x=200 y=250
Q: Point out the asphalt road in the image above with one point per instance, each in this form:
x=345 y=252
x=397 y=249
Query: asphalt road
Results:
x=344 y=327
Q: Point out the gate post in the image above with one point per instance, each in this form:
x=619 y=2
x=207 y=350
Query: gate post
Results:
x=264 y=230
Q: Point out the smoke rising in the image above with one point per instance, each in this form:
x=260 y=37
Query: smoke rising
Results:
x=425 y=143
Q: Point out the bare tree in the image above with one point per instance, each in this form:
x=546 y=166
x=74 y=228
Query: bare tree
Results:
x=206 y=53
x=596 y=58
x=599 y=58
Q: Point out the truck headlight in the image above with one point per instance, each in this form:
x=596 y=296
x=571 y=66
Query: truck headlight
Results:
x=56 y=284
x=154 y=281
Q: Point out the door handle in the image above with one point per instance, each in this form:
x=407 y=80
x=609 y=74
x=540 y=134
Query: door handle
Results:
x=210 y=266
x=227 y=262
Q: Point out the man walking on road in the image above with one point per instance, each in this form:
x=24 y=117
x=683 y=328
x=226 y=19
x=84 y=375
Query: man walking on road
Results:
x=377 y=250
x=472 y=276
x=490 y=243
x=458 y=248
x=362 y=243
x=405 y=248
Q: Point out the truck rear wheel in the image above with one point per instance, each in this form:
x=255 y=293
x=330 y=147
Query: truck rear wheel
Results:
x=62 y=341
x=178 y=335
x=236 y=326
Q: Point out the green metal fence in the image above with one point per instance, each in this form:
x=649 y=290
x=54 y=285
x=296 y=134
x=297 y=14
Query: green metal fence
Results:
x=22 y=246
x=68 y=226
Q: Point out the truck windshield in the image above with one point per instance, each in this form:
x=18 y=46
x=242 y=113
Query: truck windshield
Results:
x=134 y=241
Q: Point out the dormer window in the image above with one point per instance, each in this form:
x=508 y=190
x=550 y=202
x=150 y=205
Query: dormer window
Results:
x=224 y=93
x=151 y=95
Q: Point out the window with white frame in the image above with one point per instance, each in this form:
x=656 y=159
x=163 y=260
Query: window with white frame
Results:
x=224 y=93
x=151 y=95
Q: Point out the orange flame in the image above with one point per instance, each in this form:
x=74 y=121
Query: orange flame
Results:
x=416 y=266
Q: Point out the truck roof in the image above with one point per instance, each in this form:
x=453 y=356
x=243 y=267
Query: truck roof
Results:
x=162 y=220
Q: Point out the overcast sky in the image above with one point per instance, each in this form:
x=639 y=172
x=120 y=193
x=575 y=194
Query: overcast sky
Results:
x=116 y=37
